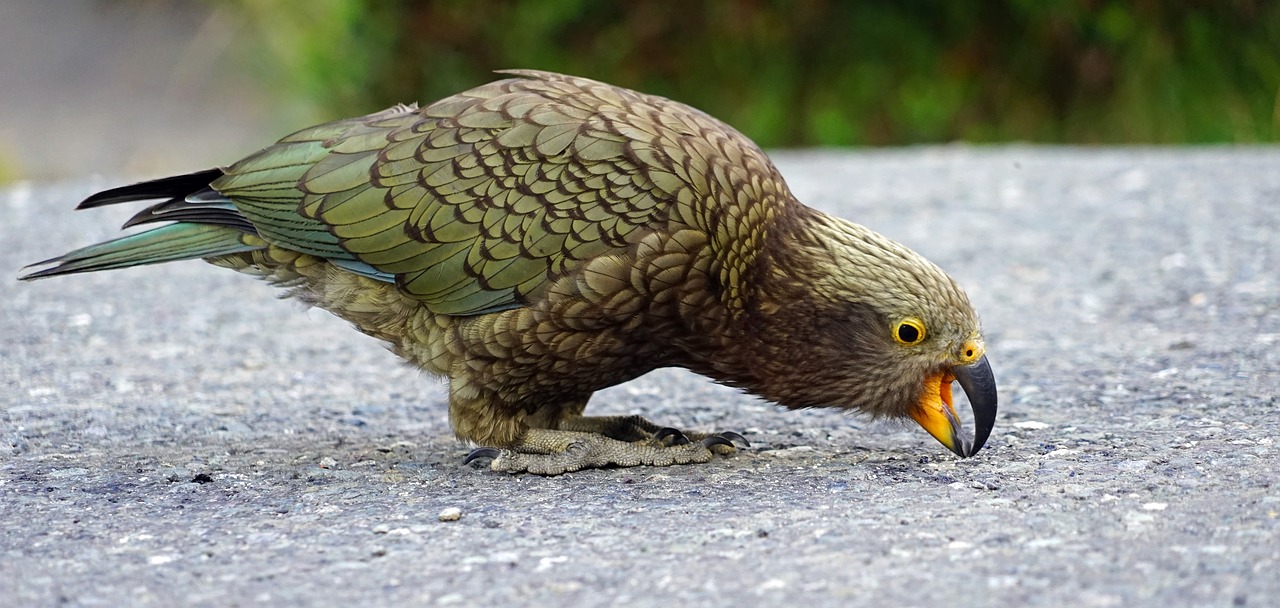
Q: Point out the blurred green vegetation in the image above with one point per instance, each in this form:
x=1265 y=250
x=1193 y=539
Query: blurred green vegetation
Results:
x=816 y=72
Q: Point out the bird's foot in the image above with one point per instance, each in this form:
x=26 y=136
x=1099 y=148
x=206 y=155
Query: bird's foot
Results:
x=552 y=452
x=638 y=429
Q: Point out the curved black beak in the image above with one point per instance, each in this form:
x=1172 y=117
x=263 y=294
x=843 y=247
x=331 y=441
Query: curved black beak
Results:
x=979 y=386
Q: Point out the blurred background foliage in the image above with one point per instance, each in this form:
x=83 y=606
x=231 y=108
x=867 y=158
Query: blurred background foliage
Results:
x=813 y=72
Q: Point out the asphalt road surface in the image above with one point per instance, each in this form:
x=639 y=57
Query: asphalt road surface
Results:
x=176 y=434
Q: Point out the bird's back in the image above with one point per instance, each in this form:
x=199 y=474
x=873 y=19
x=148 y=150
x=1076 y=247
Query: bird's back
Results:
x=476 y=203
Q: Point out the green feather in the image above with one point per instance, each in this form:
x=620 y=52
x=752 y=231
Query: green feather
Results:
x=179 y=241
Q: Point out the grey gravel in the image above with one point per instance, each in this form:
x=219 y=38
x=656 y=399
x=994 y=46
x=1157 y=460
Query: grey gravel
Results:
x=176 y=435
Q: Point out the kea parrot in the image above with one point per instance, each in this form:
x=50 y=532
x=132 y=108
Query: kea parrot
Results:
x=542 y=237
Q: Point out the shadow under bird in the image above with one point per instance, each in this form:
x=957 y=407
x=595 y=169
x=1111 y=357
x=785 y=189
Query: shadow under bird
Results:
x=542 y=237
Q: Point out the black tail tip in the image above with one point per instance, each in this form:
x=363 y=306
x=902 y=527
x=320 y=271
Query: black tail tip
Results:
x=165 y=187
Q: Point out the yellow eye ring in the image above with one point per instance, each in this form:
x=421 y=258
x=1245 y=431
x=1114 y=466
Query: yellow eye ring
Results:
x=909 y=331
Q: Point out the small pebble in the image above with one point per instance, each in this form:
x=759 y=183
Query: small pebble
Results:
x=450 y=514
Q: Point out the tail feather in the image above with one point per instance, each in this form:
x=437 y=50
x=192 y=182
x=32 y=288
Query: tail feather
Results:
x=206 y=224
x=181 y=241
x=178 y=186
x=207 y=210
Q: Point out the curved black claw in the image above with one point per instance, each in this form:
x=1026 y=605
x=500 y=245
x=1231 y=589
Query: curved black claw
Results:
x=479 y=453
x=738 y=440
x=714 y=440
x=669 y=436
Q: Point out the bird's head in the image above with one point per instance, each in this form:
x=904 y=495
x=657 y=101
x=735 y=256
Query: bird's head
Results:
x=862 y=322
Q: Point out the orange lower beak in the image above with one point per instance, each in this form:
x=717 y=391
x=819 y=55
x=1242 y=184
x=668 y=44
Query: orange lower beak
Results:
x=935 y=413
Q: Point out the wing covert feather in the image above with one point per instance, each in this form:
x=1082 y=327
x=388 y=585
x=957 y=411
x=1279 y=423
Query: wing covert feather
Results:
x=476 y=202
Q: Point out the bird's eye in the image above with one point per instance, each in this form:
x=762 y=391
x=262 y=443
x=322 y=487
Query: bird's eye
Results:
x=909 y=331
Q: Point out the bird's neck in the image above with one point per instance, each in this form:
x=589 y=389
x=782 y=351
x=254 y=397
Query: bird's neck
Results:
x=767 y=346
